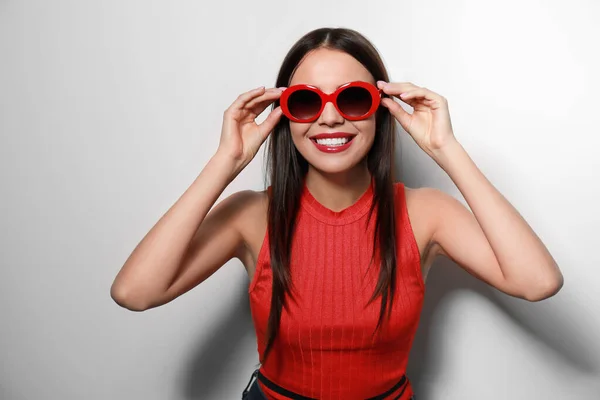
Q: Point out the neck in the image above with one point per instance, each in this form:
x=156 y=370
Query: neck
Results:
x=340 y=190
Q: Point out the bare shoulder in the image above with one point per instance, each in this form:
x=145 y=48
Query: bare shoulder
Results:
x=252 y=225
x=420 y=202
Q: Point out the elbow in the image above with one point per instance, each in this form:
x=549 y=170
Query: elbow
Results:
x=546 y=290
x=123 y=298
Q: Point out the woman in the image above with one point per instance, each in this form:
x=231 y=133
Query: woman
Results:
x=337 y=252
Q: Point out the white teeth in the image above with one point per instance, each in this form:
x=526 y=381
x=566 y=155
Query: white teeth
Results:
x=333 y=142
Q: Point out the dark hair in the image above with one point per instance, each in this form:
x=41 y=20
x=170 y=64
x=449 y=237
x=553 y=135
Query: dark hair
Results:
x=287 y=169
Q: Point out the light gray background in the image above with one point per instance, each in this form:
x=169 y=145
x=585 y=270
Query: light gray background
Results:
x=110 y=109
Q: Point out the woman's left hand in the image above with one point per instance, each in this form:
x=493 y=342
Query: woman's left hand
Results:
x=429 y=124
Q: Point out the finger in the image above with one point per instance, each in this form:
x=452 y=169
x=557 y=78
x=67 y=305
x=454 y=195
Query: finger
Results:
x=244 y=98
x=397 y=111
x=401 y=91
x=420 y=93
x=269 y=123
x=258 y=104
x=233 y=113
x=395 y=88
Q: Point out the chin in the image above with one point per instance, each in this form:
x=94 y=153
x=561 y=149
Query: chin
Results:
x=333 y=163
x=332 y=167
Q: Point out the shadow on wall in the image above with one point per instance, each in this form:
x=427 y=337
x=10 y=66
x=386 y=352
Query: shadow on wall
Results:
x=220 y=360
x=545 y=322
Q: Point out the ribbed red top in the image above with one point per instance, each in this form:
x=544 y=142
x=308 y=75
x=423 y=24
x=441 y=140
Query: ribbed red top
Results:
x=323 y=347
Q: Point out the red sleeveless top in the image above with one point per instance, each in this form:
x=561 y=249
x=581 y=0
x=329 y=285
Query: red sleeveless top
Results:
x=323 y=348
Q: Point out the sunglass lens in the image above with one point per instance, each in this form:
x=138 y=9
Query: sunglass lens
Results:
x=355 y=101
x=304 y=104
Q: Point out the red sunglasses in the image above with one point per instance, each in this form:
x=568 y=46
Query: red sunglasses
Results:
x=354 y=101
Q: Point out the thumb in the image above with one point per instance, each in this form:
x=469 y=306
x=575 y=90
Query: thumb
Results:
x=269 y=123
x=397 y=111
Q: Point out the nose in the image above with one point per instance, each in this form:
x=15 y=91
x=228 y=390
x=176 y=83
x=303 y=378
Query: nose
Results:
x=330 y=115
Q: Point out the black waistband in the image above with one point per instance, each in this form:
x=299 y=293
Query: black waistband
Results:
x=288 y=393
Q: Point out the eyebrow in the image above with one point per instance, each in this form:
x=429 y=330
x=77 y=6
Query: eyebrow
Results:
x=337 y=87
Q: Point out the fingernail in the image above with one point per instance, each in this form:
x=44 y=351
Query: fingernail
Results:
x=282 y=88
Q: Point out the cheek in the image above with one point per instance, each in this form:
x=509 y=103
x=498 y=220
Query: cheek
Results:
x=366 y=128
x=299 y=131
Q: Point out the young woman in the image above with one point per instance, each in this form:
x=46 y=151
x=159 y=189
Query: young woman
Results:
x=337 y=252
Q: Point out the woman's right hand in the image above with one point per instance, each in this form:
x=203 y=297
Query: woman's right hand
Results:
x=241 y=136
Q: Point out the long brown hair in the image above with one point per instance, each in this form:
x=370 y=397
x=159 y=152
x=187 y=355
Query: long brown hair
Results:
x=286 y=168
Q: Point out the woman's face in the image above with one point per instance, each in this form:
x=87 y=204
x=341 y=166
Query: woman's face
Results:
x=328 y=69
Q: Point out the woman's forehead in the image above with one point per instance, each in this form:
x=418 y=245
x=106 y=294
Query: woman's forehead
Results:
x=329 y=69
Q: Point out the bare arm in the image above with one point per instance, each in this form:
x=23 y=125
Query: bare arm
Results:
x=186 y=245
x=157 y=260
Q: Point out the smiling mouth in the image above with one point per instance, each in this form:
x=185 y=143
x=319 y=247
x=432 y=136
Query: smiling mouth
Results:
x=333 y=142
